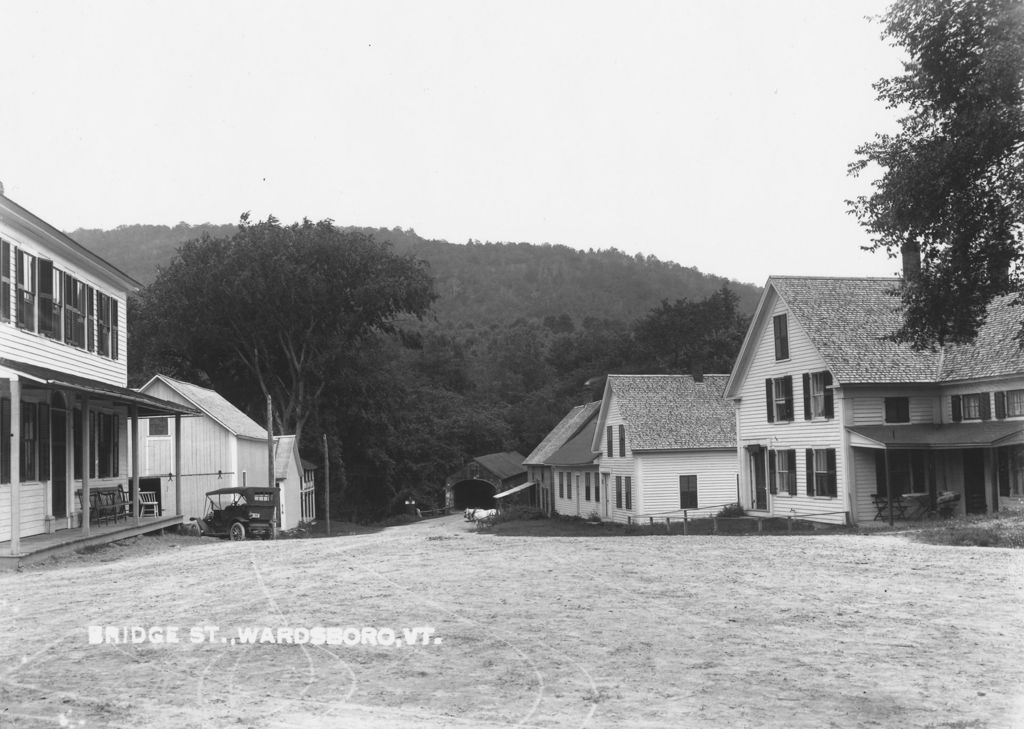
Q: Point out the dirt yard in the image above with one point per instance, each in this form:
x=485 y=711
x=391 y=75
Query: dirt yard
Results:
x=704 y=632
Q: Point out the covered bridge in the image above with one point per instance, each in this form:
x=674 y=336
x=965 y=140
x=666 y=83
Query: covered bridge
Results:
x=475 y=485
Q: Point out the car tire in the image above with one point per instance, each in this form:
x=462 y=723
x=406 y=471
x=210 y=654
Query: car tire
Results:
x=272 y=532
x=237 y=531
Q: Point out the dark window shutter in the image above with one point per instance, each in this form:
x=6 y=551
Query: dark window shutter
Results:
x=44 y=442
x=773 y=487
x=791 y=471
x=833 y=489
x=956 y=404
x=881 y=482
x=1000 y=404
x=807 y=396
x=769 y=396
x=809 y=455
x=5 y=441
x=788 y=388
x=90 y=336
x=611 y=447
x=986 y=406
x=830 y=407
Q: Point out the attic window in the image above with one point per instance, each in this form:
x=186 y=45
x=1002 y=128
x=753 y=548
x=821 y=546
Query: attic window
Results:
x=781 y=327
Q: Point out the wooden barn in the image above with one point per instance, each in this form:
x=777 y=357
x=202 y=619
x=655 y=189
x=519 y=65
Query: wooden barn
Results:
x=476 y=484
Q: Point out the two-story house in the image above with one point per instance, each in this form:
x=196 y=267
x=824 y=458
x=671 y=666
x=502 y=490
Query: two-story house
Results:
x=667 y=444
x=68 y=421
x=833 y=414
x=564 y=458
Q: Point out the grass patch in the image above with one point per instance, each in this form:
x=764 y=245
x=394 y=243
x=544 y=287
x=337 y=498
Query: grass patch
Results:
x=574 y=526
x=1002 y=529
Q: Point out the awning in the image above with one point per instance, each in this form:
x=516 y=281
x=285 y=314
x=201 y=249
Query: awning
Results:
x=515 y=489
x=946 y=436
x=53 y=379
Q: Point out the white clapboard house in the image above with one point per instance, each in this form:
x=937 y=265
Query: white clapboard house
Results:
x=835 y=419
x=68 y=421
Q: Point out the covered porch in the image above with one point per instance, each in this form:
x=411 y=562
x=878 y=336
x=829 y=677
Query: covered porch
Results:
x=63 y=440
x=900 y=471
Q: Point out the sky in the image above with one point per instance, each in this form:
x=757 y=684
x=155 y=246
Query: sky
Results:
x=713 y=134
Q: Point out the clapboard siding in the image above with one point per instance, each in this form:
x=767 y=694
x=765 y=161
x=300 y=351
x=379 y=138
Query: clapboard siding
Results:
x=617 y=465
x=797 y=434
x=659 y=479
x=33 y=510
x=579 y=504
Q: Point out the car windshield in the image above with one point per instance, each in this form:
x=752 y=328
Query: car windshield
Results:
x=222 y=501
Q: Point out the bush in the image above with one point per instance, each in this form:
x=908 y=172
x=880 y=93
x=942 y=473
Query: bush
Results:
x=731 y=510
x=997 y=530
x=519 y=513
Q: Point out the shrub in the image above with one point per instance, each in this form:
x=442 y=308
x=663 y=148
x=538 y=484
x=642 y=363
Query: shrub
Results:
x=731 y=510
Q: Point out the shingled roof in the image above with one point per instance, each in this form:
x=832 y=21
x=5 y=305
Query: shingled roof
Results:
x=849 y=321
x=567 y=427
x=674 y=412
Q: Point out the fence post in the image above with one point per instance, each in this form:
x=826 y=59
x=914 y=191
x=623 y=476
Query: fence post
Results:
x=650 y=522
x=686 y=525
x=668 y=525
x=760 y=525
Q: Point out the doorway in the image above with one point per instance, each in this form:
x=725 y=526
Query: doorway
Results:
x=58 y=462
x=757 y=465
x=974 y=481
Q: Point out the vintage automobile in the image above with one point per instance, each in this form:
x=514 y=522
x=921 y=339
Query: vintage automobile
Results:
x=237 y=513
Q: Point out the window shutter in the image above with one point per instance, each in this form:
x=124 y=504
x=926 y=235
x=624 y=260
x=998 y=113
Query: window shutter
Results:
x=830 y=407
x=90 y=335
x=1000 y=404
x=44 y=301
x=956 y=405
x=44 y=441
x=769 y=396
x=773 y=487
x=5 y=441
x=791 y=471
x=788 y=388
x=832 y=476
x=809 y=455
x=611 y=451
x=807 y=396
x=986 y=406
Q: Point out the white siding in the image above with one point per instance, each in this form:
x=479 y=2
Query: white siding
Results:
x=617 y=465
x=798 y=434
x=658 y=476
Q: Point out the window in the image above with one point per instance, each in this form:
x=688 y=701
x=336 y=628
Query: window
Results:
x=618 y=492
x=897 y=409
x=622 y=441
x=818 y=399
x=75 y=302
x=103 y=449
x=687 y=492
x=1010 y=404
x=782 y=472
x=561 y=485
x=628 y=488
x=781 y=336
x=974 y=406
x=779 y=397
x=821 y=472
x=106 y=325
x=1011 y=471
x=5 y=281
x=597 y=488
x=611 y=450
x=568 y=485
x=49 y=300
x=159 y=426
x=586 y=486
x=26 y=285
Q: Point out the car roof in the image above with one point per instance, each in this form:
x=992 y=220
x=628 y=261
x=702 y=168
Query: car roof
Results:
x=242 y=490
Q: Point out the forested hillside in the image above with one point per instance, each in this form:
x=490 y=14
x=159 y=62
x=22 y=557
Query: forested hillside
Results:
x=504 y=350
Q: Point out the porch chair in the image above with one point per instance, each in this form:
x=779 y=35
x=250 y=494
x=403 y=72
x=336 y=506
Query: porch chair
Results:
x=148 y=505
x=881 y=505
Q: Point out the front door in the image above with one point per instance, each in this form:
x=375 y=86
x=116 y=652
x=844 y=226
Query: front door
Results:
x=58 y=462
x=974 y=481
x=757 y=465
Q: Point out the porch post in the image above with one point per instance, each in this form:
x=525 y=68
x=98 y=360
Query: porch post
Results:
x=86 y=455
x=177 y=464
x=15 y=464
x=135 y=461
x=888 y=486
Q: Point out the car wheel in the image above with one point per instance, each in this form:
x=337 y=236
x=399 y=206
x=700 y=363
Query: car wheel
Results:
x=237 y=531
x=272 y=532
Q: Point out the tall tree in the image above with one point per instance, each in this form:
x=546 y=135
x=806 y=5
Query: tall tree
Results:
x=950 y=199
x=276 y=309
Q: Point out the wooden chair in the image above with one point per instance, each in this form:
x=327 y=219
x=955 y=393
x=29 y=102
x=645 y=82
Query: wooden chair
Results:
x=148 y=505
x=881 y=505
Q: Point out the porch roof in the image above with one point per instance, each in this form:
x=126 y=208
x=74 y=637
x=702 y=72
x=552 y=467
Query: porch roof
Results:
x=945 y=436
x=515 y=489
x=148 y=405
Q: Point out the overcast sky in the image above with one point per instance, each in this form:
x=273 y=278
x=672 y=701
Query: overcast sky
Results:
x=714 y=134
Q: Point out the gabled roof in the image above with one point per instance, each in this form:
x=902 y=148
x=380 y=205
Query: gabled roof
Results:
x=567 y=427
x=849 y=321
x=213 y=404
x=579 y=449
x=502 y=465
x=673 y=412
